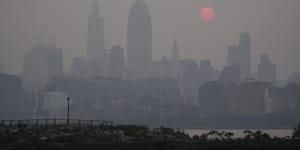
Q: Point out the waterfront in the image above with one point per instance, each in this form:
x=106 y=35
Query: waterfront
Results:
x=238 y=133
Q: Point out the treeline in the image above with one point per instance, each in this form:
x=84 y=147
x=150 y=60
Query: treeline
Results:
x=130 y=134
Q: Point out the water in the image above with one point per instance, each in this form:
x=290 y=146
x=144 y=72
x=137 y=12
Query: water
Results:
x=238 y=133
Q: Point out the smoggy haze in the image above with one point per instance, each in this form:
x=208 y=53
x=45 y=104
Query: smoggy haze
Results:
x=273 y=24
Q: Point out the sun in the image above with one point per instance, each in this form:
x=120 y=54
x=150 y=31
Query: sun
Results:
x=207 y=14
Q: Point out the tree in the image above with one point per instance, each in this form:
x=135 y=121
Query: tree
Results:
x=296 y=132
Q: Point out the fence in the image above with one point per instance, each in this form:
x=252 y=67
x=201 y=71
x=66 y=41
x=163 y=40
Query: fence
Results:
x=54 y=122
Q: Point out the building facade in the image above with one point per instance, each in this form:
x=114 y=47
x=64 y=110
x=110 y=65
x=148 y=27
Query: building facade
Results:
x=139 y=41
x=79 y=68
x=252 y=98
x=245 y=48
x=116 y=62
x=43 y=63
x=189 y=81
x=10 y=96
x=230 y=75
x=267 y=71
x=95 y=42
x=207 y=72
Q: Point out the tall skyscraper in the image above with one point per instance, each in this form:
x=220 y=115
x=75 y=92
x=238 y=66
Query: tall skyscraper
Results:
x=95 y=42
x=79 y=68
x=245 y=54
x=188 y=81
x=116 y=62
x=139 y=41
x=175 y=60
x=54 y=62
x=233 y=56
x=241 y=55
x=41 y=64
x=267 y=71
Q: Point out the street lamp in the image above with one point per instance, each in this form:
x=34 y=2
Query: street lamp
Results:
x=68 y=117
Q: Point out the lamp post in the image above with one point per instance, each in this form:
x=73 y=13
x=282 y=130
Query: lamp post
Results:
x=68 y=117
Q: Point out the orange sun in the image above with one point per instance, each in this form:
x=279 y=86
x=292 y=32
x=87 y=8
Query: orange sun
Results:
x=207 y=14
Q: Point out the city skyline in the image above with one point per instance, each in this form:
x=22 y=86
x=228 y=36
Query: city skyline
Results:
x=129 y=84
x=115 y=32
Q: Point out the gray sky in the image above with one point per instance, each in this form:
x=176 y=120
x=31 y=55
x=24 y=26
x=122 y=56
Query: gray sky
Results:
x=273 y=24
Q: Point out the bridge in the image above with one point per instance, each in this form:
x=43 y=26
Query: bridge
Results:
x=34 y=123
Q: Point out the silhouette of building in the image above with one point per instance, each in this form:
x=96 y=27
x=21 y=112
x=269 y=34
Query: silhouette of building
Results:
x=116 y=62
x=175 y=60
x=41 y=64
x=188 y=81
x=293 y=78
x=267 y=71
x=241 y=55
x=253 y=98
x=114 y=98
x=233 y=56
x=10 y=96
x=163 y=68
x=207 y=72
x=79 y=68
x=230 y=75
x=139 y=41
x=55 y=63
x=95 y=42
x=54 y=103
x=245 y=55
x=213 y=99
x=2 y=68
x=286 y=99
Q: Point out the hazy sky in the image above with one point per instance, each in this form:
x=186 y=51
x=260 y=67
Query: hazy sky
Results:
x=273 y=24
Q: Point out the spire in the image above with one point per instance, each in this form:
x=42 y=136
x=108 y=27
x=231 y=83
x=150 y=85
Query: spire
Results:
x=175 y=51
x=95 y=9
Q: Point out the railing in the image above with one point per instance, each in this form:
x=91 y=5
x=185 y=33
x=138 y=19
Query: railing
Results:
x=53 y=122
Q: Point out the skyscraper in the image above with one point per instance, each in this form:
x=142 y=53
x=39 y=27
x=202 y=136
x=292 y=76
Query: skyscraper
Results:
x=164 y=68
x=230 y=75
x=41 y=64
x=2 y=68
x=213 y=99
x=79 y=68
x=188 y=81
x=245 y=55
x=175 y=60
x=233 y=56
x=139 y=41
x=267 y=71
x=11 y=99
x=116 y=62
x=241 y=55
x=95 y=42
x=207 y=72
x=252 y=98
x=293 y=78
x=54 y=62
